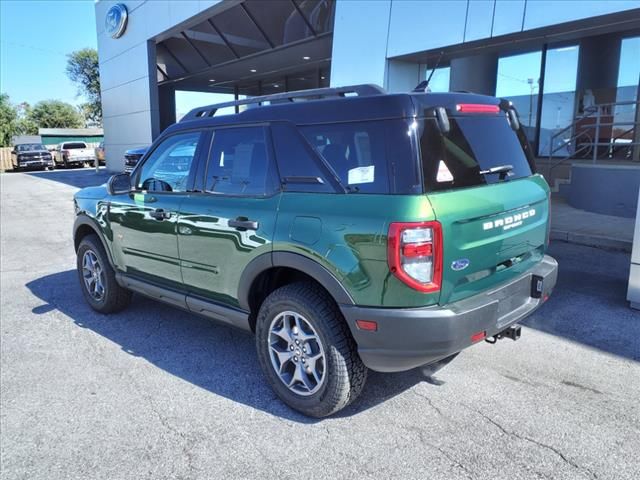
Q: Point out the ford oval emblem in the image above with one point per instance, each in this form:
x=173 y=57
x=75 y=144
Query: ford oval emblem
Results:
x=460 y=264
x=115 y=22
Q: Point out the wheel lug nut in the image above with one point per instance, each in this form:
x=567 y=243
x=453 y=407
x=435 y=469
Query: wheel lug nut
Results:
x=295 y=359
x=303 y=360
x=291 y=347
x=297 y=342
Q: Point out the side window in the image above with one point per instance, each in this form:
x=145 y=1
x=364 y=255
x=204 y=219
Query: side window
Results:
x=239 y=163
x=167 y=168
x=356 y=151
x=299 y=169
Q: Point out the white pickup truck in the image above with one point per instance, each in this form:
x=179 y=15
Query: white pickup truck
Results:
x=74 y=153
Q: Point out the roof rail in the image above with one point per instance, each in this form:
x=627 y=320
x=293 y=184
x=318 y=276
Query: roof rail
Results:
x=364 y=90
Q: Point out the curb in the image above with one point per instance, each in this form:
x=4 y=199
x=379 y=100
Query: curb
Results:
x=606 y=243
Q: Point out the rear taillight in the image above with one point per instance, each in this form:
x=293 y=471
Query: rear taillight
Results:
x=477 y=108
x=414 y=254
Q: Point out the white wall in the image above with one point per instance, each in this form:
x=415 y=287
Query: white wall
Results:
x=127 y=73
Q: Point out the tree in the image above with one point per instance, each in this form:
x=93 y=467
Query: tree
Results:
x=54 y=114
x=8 y=119
x=82 y=69
x=25 y=125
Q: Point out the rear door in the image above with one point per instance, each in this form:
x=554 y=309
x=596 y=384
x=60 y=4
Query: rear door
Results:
x=232 y=219
x=494 y=224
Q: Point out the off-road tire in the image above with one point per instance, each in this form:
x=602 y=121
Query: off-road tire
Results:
x=115 y=297
x=345 y=372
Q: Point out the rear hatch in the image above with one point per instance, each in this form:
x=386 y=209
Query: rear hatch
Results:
x=494 y=210
x=79 y=150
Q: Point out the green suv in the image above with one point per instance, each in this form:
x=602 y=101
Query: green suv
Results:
x=347 y=228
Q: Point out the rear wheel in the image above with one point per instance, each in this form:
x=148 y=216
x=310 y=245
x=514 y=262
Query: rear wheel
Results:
x=97 y=278
x=306 y=350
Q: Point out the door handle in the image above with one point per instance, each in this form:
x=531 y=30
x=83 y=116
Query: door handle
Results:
x=160 y=214
x=242 y=223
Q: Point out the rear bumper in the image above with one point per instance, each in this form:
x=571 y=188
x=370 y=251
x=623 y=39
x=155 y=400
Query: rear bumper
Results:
x=410 y=337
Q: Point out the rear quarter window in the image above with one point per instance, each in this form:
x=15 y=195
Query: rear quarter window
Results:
x=474 y=144
x=367 y=157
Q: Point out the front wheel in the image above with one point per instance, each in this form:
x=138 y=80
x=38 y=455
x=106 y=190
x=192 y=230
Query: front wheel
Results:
x=306 y=350
x=97 y=278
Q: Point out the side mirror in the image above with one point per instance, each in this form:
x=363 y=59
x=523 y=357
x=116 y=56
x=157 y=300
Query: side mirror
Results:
x=14 y=151
x=119 y=184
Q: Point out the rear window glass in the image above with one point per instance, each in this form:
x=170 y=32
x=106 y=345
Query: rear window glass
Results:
x=367 y=157
x=297 y=163
x=73 y=146
x=473 y=145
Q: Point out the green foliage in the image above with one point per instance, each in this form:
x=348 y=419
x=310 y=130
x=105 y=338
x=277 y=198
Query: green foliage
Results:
x=25 y=125
x=8 y=119
x=54 y=114
x=82 y=69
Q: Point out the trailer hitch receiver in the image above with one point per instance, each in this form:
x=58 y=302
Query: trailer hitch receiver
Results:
x=513 y=332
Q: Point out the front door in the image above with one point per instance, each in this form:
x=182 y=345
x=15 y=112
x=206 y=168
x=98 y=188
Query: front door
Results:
x=232 y=221
x=144 y=221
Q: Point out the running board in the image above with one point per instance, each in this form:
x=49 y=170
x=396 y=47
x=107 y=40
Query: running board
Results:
x=206 y=308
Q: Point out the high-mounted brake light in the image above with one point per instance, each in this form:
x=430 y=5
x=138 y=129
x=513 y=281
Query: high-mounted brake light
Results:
x=414 y=254
x=477 y=108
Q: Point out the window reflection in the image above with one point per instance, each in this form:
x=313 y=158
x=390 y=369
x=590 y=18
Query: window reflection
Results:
x=440 y=80
x=558 y=100
x=518 y=80
x=627 y=91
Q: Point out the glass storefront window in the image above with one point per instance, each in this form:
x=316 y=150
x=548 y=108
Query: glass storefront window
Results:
x=627 y=91
x=558 y=100
x=518 y=80
x=440 y=80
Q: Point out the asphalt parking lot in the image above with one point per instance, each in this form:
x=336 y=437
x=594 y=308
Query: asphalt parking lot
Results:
x=155 y=392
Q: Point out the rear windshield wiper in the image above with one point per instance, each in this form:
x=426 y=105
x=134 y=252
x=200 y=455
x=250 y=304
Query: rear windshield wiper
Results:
x=502 y=170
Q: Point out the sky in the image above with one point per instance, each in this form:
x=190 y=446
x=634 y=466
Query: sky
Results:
x=35 y=38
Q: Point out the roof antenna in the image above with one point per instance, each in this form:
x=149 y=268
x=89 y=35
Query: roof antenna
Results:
x=423 y=86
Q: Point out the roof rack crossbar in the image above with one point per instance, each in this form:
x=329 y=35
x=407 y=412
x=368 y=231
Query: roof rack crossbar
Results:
x=359 y=90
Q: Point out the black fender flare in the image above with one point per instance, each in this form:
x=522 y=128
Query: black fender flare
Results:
x=86 y=221
x=291 y=260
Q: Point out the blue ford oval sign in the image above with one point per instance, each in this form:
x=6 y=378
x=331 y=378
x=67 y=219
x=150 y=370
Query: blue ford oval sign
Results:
x=116 y=21
x=460 y=264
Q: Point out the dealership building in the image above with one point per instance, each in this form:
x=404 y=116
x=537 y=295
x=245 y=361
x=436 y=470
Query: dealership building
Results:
x=572 y=68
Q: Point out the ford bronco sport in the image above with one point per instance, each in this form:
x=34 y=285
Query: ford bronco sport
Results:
x=348 y=228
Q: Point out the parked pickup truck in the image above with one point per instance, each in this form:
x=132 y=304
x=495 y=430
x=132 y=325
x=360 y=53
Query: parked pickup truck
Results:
x=74 y=153
x=30 y=155
x=132 y=156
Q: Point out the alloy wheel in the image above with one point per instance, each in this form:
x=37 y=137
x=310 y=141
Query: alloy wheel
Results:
x=297 y=354
x=93 y=275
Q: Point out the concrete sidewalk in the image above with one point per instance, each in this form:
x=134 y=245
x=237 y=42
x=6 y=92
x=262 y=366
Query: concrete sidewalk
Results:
x=569 y=224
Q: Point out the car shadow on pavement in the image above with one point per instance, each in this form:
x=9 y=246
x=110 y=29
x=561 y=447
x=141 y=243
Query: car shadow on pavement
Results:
x=589 y=304
x=214 y=357
x=77 y=177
